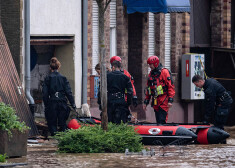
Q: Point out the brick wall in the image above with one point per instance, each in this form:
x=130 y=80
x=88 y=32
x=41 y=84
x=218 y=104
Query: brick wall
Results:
x=176 y=50
x=221 y=23
x=226 y=39
x=93 y=103
x=12 y=23
x=89 y=49
x=160 y=36
x=216 y=22
x=122 y=34
x=185 y=33
x=107 y=35
x=21 y=40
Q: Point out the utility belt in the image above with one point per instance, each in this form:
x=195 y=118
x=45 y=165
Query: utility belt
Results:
x=117 y=95
x=223 y=97
x=57 y=95
x=157 y=91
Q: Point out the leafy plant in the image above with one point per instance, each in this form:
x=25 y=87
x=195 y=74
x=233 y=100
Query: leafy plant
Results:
x=9 y=120
x=93 y=139
x=3 y=158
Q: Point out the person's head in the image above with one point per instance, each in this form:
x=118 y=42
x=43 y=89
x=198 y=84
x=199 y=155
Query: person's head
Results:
x=198 y=81
x=115 y=58
x=116 y=65
x=97 y=68
x=54 y=64
x=153 y=62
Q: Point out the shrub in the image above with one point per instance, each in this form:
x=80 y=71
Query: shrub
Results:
x=93 y=139
x=9 y=120
x=3 y=158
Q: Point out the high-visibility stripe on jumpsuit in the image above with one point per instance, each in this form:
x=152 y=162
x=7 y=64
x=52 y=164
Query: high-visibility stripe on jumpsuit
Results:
x=160 y=89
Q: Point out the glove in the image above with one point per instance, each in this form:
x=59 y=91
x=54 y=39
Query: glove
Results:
x=135 y=101
x=74 y=106
x=170 y=100
x=146 y=102
x=129 y=117
x=205 y=122
x=128 y=100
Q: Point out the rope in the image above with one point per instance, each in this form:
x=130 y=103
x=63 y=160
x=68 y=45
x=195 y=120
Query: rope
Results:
x=203 y=68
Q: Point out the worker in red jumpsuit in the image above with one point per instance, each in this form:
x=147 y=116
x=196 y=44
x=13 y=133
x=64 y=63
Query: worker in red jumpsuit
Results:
x=160 y=87
x=134 y=98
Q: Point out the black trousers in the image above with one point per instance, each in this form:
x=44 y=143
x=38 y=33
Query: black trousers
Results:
x=117 y=113
x=57 y=113
x=160 y=116
x=221 y=116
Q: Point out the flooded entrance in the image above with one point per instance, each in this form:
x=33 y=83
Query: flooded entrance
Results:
x=219 y=155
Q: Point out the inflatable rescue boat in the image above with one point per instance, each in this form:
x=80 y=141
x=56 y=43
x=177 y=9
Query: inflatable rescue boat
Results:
x=167 y=134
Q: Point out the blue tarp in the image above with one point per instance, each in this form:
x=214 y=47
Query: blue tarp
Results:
x=157 y=6
x=143 y=6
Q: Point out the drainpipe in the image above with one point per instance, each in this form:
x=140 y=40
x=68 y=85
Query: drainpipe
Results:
x=84 y=51
x=27 y=55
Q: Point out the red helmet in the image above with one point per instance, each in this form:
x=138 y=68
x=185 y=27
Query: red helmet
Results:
x=73 y=124
x=153 y=60
x=115 y=58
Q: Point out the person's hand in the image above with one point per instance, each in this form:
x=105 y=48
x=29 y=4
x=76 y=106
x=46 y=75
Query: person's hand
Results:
x=169 y=105
x=146 y=102
x=135 y=101
x=144 y=107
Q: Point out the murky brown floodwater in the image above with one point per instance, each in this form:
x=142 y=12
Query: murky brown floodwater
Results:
x=221 y=155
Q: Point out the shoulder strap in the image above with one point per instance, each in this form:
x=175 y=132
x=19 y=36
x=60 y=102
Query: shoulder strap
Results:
x=171 y=78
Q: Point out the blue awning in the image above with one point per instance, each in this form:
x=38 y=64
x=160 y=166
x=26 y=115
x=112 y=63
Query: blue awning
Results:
x=157 y=6
x=178 y=6
x=143 y=6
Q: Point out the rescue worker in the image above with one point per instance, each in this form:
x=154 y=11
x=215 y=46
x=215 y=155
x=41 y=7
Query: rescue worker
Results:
x=134 y=97
x=218 y=100
x=55 y=90
x=117 y=83
x=97 y=68
x=160 y=87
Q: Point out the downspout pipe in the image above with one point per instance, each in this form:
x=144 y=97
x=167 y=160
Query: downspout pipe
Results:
x=84 y=50
x=27 y=55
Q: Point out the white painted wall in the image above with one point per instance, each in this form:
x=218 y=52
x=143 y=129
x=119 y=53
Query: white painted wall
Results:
x=60 y=18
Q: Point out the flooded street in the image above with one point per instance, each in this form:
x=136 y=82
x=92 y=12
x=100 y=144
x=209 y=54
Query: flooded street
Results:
x=220 y=155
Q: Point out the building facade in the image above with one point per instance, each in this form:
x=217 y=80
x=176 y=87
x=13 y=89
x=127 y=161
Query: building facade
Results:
x=55 y=30
x=169 y=36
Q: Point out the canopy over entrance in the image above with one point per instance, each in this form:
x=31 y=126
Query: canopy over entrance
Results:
x=157 y=6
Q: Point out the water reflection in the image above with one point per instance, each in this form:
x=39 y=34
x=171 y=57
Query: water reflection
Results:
x=221 y=155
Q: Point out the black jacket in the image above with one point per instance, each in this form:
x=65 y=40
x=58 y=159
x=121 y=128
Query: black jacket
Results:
x=214 y=92
x=117 y=82
x=56 y=87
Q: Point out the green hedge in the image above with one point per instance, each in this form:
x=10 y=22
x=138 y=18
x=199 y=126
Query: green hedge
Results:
x=92 y=139
x=9 y=120
x=3 y=158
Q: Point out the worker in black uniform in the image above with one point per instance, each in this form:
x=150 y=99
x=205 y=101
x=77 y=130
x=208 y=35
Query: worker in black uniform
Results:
x=117 y=83
x=55 y=90
x=218 y=100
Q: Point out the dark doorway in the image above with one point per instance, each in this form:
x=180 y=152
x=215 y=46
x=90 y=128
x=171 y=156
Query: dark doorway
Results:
x=200 y=23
